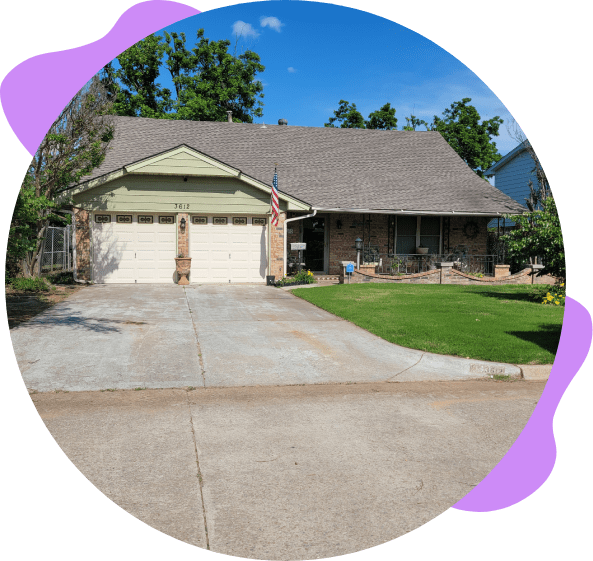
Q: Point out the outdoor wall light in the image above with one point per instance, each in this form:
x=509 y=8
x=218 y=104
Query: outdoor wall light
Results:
x=358 y=244
x=182 y=224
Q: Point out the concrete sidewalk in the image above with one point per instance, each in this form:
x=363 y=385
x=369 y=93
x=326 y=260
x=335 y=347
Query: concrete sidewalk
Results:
x=290 y=472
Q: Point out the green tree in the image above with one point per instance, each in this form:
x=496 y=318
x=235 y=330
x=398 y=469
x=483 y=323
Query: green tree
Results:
x=133 y=86
x=208 y=80
x=538 y=234
x=468 y=136
x=74 y=145
x=348 y=116
x=383 y=119
x=412 y=122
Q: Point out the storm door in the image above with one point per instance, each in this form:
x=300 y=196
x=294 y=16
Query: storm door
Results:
x=314 y=237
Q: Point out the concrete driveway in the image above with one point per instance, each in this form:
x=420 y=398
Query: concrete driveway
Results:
x=167 y=336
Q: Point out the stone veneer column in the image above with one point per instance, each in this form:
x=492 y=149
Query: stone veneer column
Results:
x=445 y=271
x=501 y=271
x=183 y=237
x=83 y=244
x=277 y=247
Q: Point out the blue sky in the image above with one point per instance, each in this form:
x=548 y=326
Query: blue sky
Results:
x=316 y=54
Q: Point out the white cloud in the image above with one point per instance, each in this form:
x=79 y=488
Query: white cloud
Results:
x=240 y=28
x=271 y=22
x=291 y=69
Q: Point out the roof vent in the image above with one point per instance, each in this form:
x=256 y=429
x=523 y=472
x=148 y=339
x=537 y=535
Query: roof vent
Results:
x=282 y=122
x=229 y=117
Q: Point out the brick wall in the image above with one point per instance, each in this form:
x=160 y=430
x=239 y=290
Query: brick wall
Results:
x=277 y=248
x=183 y=237
x=446 y=275
x=477 y=246
x=83 y=244
x=341 y=242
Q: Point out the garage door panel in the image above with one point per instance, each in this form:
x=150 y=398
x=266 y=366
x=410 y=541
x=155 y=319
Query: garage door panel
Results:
x=212 y=244
x=130 y=253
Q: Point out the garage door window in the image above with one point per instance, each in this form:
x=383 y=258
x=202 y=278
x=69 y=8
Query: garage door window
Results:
x=124 y=218
x=145 y=219
x=199 y=220
x=241 y=221
x=166 y=220
x=259 y=221
x=220 y=220
x=102 y=218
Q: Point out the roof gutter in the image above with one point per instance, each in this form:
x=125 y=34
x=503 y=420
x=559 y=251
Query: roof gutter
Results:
x=415 y=212
x=285 y=239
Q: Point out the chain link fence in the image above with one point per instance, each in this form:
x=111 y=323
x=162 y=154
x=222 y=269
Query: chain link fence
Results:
x=56 y=253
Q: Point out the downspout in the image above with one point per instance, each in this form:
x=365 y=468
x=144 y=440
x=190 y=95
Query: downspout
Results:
x=285 y=238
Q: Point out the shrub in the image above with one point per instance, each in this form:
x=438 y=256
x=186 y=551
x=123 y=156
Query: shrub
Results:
x=63 y=277
x=556 y=296
x=33 y=284
x=302 y=277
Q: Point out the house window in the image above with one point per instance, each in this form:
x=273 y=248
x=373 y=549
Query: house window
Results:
x=240 y=221
x=124 y=219
x=166 y=220
x=220 y=220
x=102 y=218
x=143 y=219
x=413 y=231
x=199 y=220
x=258 y=221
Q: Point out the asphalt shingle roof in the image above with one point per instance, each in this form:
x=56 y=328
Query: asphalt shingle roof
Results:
x=324 y=167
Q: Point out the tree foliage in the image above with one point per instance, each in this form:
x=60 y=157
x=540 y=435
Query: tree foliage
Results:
x=538 y=234
x=347 y=116
x=208 y=80
x=75 y=144
x=468 y=136
x=383 y=119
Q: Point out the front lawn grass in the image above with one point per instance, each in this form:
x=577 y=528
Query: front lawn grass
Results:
x=496 y=323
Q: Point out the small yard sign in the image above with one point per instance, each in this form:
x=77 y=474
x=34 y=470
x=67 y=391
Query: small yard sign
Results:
x=298 y=246
x=350 y=268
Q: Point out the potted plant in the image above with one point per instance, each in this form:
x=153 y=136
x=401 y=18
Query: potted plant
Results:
x=422 y=250
x=182 y=266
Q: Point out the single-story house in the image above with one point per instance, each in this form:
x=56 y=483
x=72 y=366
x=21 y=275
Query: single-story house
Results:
x=202 y=189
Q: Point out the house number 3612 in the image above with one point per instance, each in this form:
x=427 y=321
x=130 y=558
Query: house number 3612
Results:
x=181 y=206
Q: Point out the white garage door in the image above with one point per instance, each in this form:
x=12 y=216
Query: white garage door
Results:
x=228 y=249
x=133 y=248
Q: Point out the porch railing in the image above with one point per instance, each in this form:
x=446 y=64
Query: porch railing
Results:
x=408 y=264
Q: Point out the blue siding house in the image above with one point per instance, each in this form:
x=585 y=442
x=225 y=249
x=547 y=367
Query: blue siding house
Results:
x=512 y=175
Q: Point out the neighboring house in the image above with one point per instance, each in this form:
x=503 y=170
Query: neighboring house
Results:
x=203 y=189
x=512 y=174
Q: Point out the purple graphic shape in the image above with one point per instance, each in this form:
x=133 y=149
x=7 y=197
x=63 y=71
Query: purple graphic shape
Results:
x=60 y=75
x=530 y=460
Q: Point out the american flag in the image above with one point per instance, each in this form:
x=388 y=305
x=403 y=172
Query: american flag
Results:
x=275 y=206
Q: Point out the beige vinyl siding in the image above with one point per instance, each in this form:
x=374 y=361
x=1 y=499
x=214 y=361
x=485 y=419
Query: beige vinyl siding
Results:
x=183 y=163
x=211 y=195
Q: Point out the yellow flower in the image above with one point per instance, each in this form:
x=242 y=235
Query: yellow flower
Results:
x=556 y=302
x=562 y=284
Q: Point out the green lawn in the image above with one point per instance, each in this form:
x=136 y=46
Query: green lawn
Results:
x=498 y=323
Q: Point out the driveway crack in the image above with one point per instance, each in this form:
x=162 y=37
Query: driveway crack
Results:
x=406 y=369
x=200 y=358
x=200 y=479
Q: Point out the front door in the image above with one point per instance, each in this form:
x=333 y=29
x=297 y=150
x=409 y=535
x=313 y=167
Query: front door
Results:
x=314 y=237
